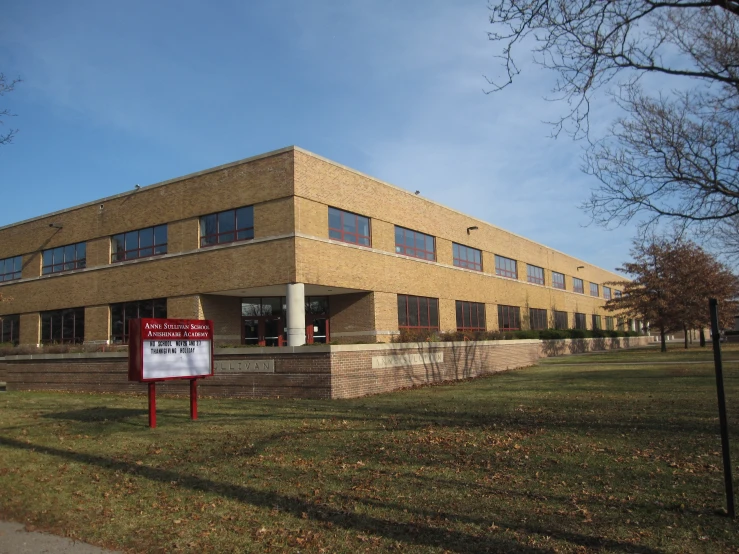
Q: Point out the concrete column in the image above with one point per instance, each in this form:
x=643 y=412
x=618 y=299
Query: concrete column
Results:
x=295 y=314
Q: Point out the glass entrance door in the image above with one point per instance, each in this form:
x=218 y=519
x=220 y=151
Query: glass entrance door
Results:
x=316 y=330
x=250 y=331
x=262 y=331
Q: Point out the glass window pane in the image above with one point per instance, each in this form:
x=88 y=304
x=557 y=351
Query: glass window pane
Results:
x=398 y=235
x=460 y=318
x=245 y=234
x=402 y=310
x=429 y=244
x=208 y=225
x=69 y=256
x=245 y=218
x=226 y=221
x=48 y=254
x=160 y=235
x=146 y=237
x=117 y=248
x=423 y=309
x=132 y=243
x=334 y=234
x=160 y=308
x=81 y=254
x=413 y=311
x=251 y=306
x=334 y=218
x=272 y=305
x=363 y=226
x=433 y=312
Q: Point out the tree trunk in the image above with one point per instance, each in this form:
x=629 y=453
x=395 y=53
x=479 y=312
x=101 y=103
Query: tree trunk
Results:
x=663 y=339
x=703 y=337
x=685 y=333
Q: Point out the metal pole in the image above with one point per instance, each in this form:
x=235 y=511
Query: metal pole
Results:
x=715 y=335
x=152 y=404
x=193 y=398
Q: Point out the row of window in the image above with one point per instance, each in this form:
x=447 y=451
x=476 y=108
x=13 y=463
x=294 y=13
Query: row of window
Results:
x=420 y=312
x=355 y=229
x=238 y=224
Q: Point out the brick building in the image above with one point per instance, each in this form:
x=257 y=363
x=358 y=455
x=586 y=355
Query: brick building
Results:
x=283 y=248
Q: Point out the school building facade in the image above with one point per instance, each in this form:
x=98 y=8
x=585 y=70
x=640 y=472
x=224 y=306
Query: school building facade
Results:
x=280 y=249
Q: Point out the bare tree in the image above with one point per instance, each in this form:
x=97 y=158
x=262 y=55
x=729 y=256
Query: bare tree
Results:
x=673 y=155
x=7 y=85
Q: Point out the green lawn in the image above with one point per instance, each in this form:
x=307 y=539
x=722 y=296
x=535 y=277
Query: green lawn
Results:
x=580 y=457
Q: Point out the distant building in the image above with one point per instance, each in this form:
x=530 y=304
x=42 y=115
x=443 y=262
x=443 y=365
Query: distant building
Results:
x=284 y=248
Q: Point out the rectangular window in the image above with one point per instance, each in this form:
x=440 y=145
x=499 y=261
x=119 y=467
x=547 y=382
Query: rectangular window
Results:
x=594 y=290
x=10 y=268
x=9 y=328
x=63 y=326
x=509 y=318
x=226 y=227
x=558 y=280
x=418 y=312
x=621 y=322
x=143 y=243
x=537 y=319
x=617 y=294
x=535 y=274
x=609 y=322
x=121 y=313
x=505 y=267
x=606 y=292
x=596 y=322
x=580 y=322
x=414 y=244
x=560 y=320
x=470 y=316
x=577 y=285
x=64 y=258
x=348 y=227
x=469 y=258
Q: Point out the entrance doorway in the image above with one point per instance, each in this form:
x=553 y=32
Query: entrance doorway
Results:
x=262 y=331
x=316 y=330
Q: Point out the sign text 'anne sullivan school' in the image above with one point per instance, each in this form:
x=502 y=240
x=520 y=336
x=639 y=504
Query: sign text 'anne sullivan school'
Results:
x=170 y=349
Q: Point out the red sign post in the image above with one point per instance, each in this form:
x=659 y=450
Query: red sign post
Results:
x=166 y=349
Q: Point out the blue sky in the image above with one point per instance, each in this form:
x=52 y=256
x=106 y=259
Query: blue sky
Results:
x=116 y=94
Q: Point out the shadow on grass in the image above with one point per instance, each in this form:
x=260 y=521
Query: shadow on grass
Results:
x=101 y=413
x=415 y=533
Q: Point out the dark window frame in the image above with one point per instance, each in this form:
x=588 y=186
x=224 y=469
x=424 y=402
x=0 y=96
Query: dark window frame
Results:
x=414 y=251
x=240 y=232
x=470 y=315
x=595 y=290
x=349 y=236
x=125 y=254
x=558 y=280
x=50 y=263
x=578 y=285
x=66 y=326
x=509 y=318
x=580 y=321
x=15 y=271
x=10 y=325
x=536 y=279
x=596 y=322
x=502 y=267
x=134 y=310
x=461 y=255
x=406 y=302
x=538 y=319
x=609 y=323
x=606 y=293
x=561 y=320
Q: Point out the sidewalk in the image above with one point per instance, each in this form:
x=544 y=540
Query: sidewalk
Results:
x=14 y=539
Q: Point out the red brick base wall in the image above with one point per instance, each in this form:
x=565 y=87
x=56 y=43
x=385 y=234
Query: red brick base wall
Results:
x=305 y=372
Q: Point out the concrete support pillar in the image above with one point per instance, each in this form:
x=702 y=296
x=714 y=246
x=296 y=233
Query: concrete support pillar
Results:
x=295 y=314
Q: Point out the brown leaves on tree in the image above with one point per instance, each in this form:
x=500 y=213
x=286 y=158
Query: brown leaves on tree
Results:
x=672 y=282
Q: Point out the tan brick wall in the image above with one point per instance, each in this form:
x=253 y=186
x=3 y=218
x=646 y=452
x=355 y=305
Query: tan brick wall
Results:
x=225 y=311
x=30 y=329
x=184 y=235
x=31 y=265
x=386 y=314
x=274 y=218
x=185 y=307
x=97 y=252
x=97 y=324
x=350 y=316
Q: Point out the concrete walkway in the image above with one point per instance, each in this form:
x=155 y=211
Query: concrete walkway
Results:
x=14 y=539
